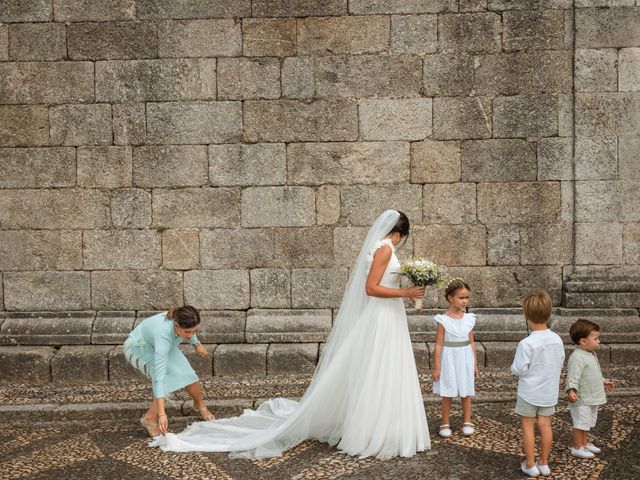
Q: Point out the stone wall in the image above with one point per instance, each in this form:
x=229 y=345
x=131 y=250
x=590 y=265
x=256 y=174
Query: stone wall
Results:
x=231 y=154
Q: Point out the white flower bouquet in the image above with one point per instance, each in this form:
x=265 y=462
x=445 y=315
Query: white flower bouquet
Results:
x=422 y=273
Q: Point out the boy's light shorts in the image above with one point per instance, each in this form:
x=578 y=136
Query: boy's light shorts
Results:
x=525 y=409
x=584 y=416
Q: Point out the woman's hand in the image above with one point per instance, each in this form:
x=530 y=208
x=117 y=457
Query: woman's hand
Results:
x=435 y=375
x=572 y=396
x=163 y=423
x=200 y=350
x=414 y=292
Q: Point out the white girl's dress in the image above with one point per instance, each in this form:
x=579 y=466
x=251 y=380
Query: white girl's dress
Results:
x=457 y=377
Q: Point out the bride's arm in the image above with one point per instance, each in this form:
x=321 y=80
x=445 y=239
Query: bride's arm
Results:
x=374 y=289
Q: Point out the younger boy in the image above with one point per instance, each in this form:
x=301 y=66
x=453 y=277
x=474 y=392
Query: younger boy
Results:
x=585 y=386
x=537 y=364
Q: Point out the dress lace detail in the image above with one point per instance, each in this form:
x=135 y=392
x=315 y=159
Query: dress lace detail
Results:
x=379 y=243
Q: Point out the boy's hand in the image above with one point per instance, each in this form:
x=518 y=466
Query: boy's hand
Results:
x=435 y=375
x=200 y=350
x=572 y=396
x=608 y=385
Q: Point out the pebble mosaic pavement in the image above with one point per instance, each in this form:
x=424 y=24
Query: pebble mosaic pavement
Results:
x=116 y=449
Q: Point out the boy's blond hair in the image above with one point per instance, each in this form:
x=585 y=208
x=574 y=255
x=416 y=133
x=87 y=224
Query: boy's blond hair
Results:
x=537 y=306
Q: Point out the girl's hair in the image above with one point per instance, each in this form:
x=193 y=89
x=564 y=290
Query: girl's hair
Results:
x=454 y=285
x=402 y=225
x=185 y=317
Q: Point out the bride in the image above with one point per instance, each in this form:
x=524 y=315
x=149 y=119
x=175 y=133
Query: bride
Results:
x=364 y=396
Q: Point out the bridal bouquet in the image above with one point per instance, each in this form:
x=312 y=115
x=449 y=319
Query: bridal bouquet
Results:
x=422 y=273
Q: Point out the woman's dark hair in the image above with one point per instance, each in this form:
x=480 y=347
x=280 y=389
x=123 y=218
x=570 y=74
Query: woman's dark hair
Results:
x=185 y=317
x=454 y=285
x=402 y=225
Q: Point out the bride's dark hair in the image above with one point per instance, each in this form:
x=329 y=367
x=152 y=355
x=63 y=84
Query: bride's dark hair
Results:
x=402 y=225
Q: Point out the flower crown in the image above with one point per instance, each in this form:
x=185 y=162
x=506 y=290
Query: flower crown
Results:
x=454 y=279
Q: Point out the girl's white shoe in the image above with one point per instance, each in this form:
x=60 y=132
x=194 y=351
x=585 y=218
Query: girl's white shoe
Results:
x=530 y=472
x=445 y=431
x=468 y=429
x=544 y=470
x=592 y=448
x=581 y=452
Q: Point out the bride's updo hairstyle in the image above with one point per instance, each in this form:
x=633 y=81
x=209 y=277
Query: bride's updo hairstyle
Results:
x=402 y=225
x=184 y=317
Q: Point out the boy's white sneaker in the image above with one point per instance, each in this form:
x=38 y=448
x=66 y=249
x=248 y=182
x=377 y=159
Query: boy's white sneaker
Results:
x=544 y=470
x=581 y=453
x=592 y=448
x=530 y=472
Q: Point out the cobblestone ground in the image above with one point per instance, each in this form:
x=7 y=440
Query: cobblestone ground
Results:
x=116 y=449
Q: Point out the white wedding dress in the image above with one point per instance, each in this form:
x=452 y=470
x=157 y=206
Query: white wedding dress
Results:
x=364 y=396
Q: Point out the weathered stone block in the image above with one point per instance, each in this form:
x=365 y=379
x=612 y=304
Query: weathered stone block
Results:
x=46 y=291
x=25 y=11
x=524 y=73
x=24 y=125
x=470 y=32
x=387 y=119
x=180 y=249
x=4 y=42
x=298 y=77
x=628 y=153
x=87 y=11
x=607 y=27
x=503 y=245
x=546 y=244
x=327 y=205
x=347 y=242
x=555 y=159
x=401 y=6
x=624 y=353
x=129 y=123
x=270 y=288
x=247 y=164
x=203 y=366
x=308 y=247
x=292 y=358
x=47 y=328
x=155 y=80
x=421 y=355
x=222 y=326
x=499 y=354
x=469 y=248
x=268 y=37
x=81 y=124
x=121 y=249
x=528 y=4
x=597 y=201
x=54 y=209
x=596 y=70
x=345 y=163
x=447 y=75
x=520 y=116
x=435 y=162
x=449 y=203
x=607 y=114
x=472 y=5
x=629 y=61
x=414 y=34
x=40 y=250
x=342 y=35
x=240 y=359
x=293 y=121
x=131 y=208
x=237 y=248
x=26 y=364
x=37 y=167
x=170 y=166
x=297 y=8
x=533 y=29
x=278 y=207
x=498 y=161
x=596 y=158
x=46 y=82
x=81 y=364
x=120 y=369
x=598 y=243
x=104 y=167
x=317 y=287
x=631 y=243
x=461 y=117
x=112 y=40
x=361 y=204
x=196 y=207
x=206 y=122
x=156 y=9
x=112 y=328
x=278 y=326
x=217 y=289
x=246 y=78
x=135 y=289
x=37 y=42
x=524 y=202
x=368 y=76
x=200 y=38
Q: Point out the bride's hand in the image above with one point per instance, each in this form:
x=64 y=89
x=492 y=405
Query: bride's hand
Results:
x=414 y=292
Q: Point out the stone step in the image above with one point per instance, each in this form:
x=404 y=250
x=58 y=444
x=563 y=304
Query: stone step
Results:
x=600 y=286
x=601 y=299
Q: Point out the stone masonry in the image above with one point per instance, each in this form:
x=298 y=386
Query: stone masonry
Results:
x=231 y=154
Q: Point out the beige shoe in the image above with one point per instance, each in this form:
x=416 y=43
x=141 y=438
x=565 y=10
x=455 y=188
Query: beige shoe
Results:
x=152 y=427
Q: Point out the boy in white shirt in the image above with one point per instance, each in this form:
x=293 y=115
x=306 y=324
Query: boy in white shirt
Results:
x=537 y=364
